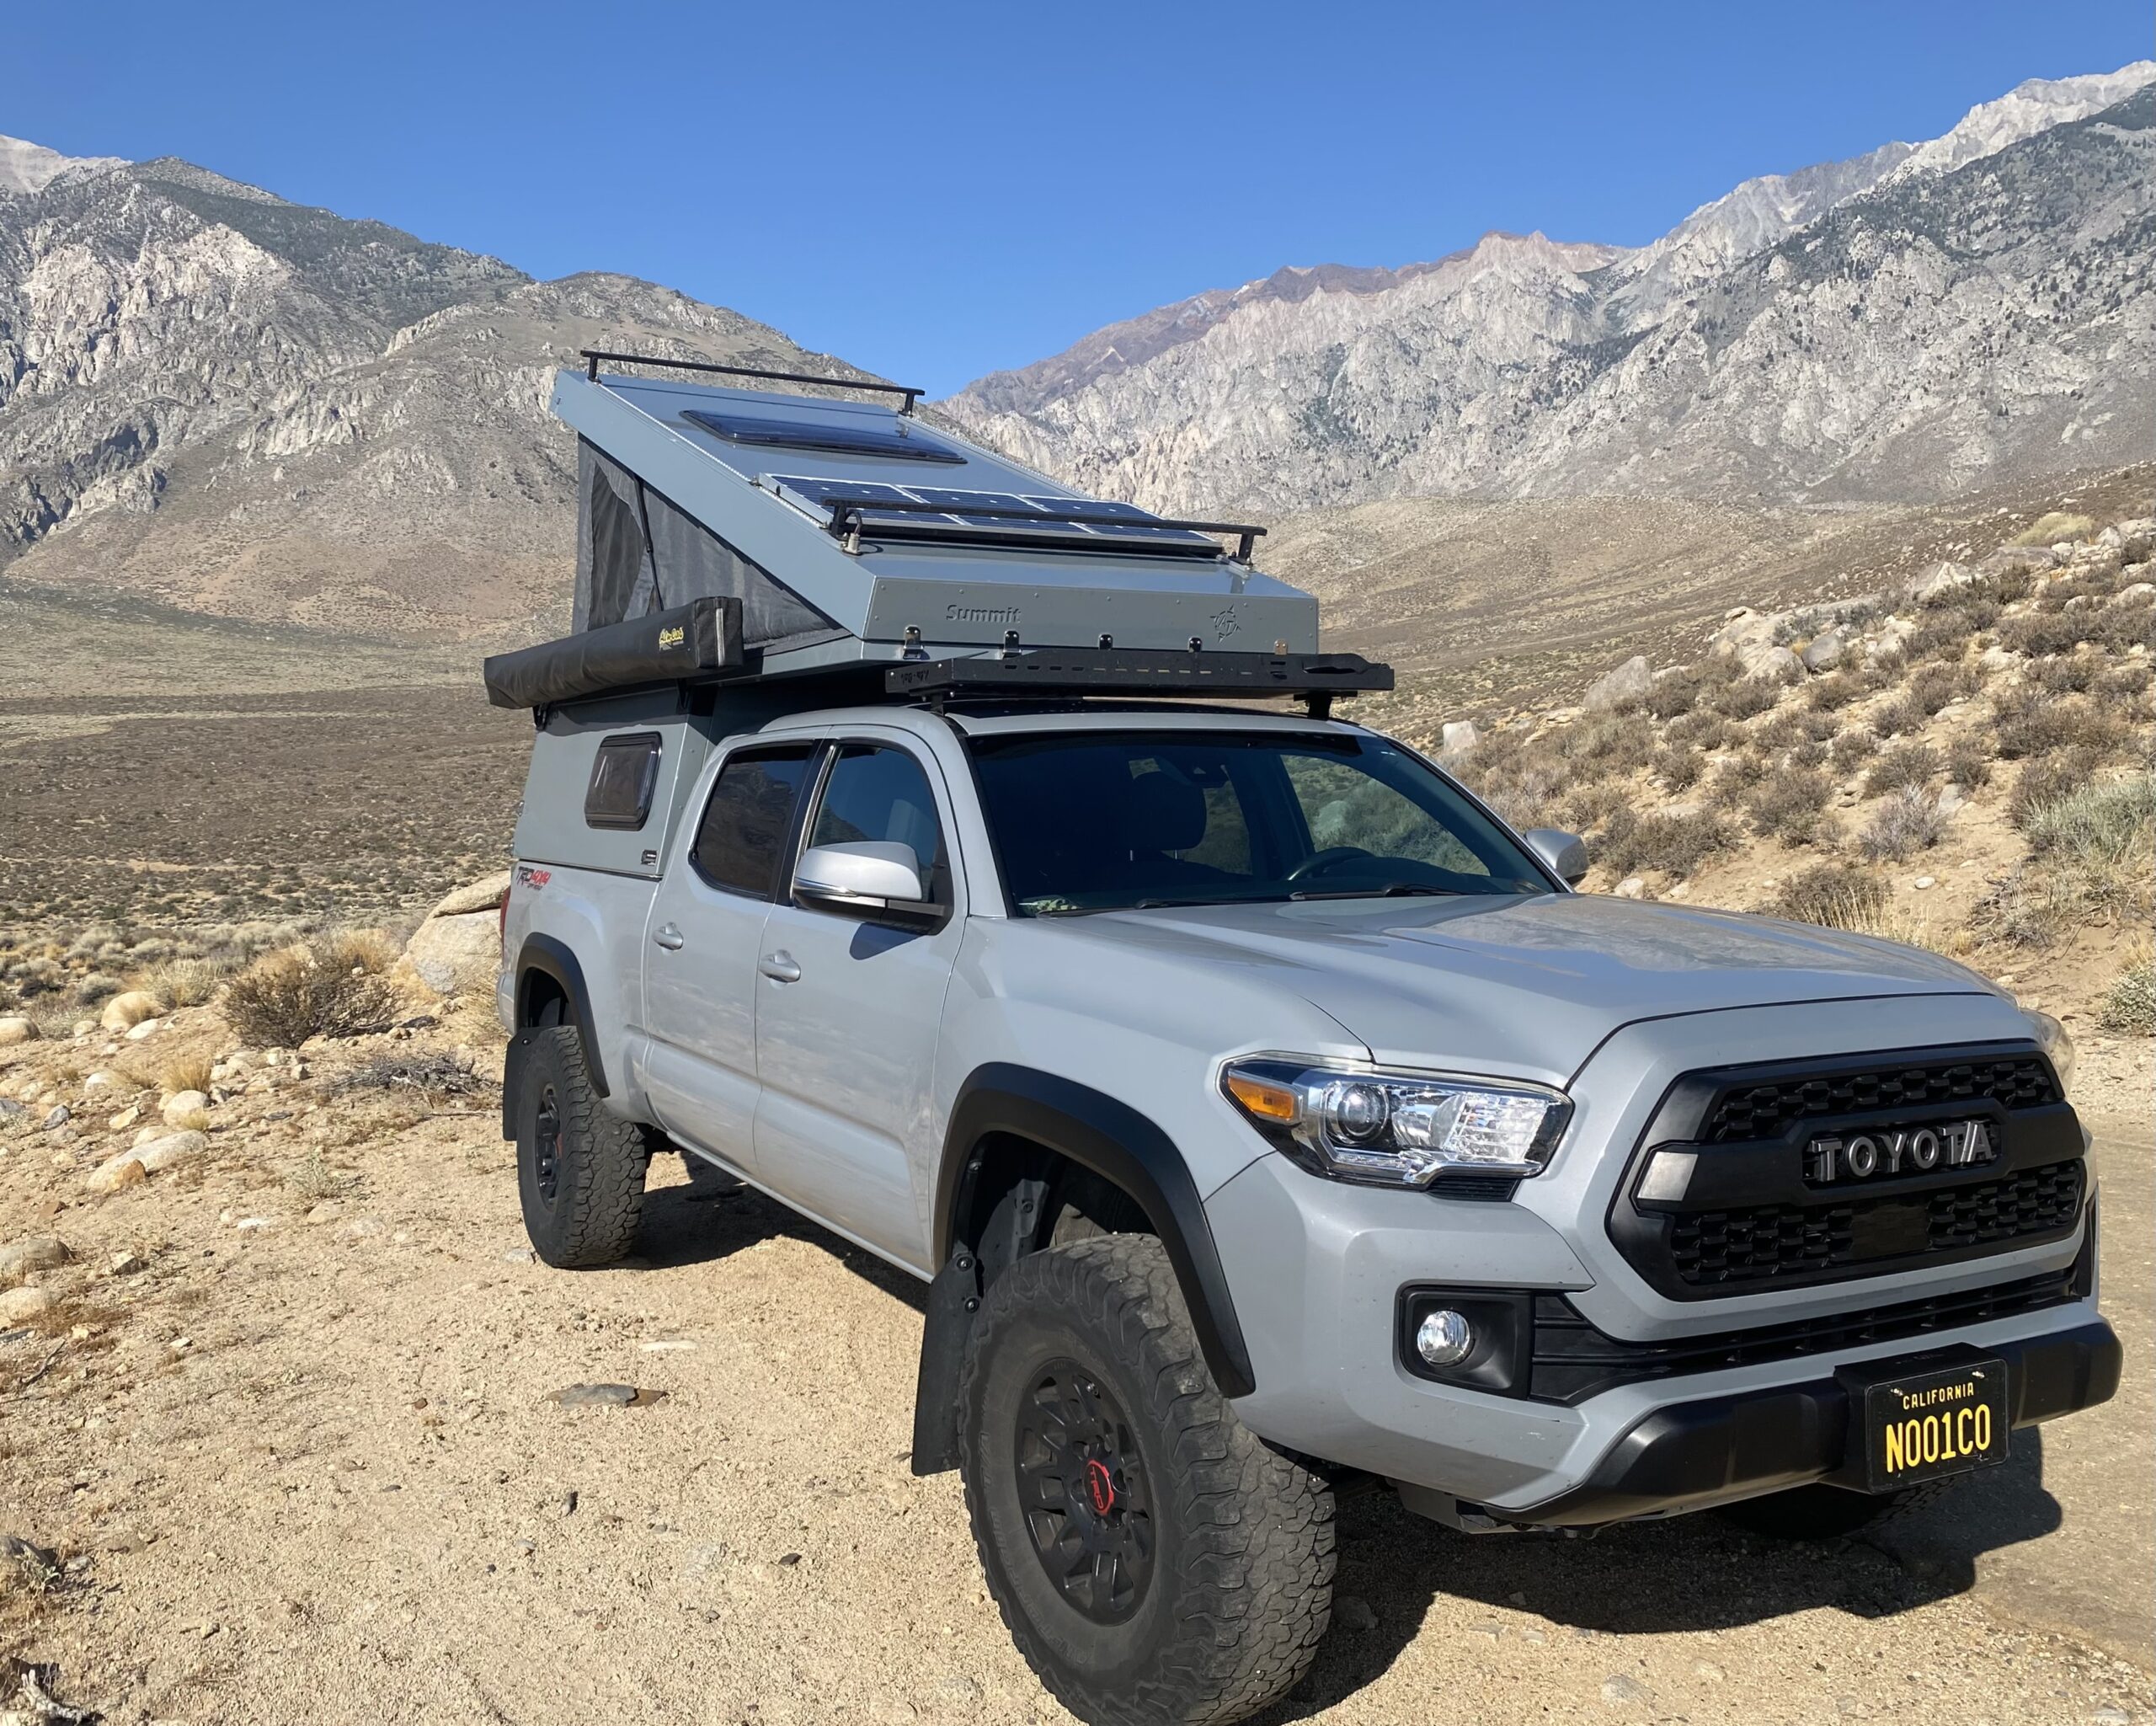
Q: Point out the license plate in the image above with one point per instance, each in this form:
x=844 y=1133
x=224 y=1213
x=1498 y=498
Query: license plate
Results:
x=1929 y=1423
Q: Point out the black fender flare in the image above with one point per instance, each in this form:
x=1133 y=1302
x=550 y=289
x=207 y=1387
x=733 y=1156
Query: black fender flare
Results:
x=550 y=956
x=1097 y=1132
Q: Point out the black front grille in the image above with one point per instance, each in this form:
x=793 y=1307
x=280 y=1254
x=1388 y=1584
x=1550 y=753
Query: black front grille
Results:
x=1775 y=1242
x=1572 y=1359
x=1766 y=1108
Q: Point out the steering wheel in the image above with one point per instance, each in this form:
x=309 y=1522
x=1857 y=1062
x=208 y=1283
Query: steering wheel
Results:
x=1332 y=857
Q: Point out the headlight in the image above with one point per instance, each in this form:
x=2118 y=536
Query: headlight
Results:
x=2052 y=1039
x=1396 y=1128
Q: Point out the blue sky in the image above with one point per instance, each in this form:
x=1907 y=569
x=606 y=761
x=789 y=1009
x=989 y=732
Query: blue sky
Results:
x=936 y=191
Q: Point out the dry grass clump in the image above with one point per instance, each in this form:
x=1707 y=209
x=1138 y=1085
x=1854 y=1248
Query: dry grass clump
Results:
x=1677 y=844
x=1792 y=807
x=2044 y=783
x=2050 y=528
x=1836 y=895
x=2130 y=1005
x=331 y=986
x=1910 y=820
x=2107 y=832
x=1905 y=764
x=190 y=1072
x=186 y=982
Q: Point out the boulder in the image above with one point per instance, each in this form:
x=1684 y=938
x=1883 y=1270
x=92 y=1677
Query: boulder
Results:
x=18 y=1259
x=1631 y=887
x=1628 y=683
x=485 y=894
x=19 y=1305
x=1460 y=737
x=1824 y=651
x=455 y=954
x=1746 y=632
x=116 y=1173
x=149 y=1028
x=181 y=1104
x=1939 y=578
x=2009 y=558
x=15 y=1028
x=1776 y=664
x=123 y=1012
x=167 y=1149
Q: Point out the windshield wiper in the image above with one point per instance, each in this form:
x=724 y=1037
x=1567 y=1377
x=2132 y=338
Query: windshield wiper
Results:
x=1398 y=890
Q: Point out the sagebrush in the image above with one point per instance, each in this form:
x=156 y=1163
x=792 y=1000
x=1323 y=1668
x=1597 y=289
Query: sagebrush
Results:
x=328 y=987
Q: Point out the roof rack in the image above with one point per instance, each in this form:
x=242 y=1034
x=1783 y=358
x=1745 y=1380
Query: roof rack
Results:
x=848 y=519
x=593 y=357
x=1314 y=678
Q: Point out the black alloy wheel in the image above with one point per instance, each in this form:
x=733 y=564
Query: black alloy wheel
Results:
x=1081 y=1481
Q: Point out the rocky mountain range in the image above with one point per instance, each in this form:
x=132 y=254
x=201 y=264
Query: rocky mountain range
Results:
x=212 y=398
x=1902 y=327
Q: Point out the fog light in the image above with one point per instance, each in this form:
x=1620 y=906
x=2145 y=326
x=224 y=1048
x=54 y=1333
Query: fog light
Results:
x=1445 y=1338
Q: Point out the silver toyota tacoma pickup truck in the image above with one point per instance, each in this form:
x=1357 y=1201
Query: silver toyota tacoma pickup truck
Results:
x=1260 y=1112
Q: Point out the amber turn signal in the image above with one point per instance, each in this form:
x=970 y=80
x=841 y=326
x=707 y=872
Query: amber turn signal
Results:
x=1266 y=1102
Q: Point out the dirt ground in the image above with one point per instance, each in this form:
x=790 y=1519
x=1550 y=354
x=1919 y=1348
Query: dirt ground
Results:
x=300 y=1464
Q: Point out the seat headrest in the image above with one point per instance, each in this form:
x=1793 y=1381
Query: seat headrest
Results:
x=1165 y=812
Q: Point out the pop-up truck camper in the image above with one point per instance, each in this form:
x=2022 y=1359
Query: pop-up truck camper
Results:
x=907 y=836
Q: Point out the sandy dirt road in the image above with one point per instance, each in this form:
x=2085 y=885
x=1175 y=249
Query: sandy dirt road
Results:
x=309 y=1472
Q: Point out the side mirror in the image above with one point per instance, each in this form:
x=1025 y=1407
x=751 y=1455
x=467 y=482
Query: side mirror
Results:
x=1565 y=853
x=870 y=876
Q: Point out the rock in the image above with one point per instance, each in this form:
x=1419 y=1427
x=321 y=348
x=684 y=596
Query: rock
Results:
x=1747 y=632
x=181 y=1104
x=452 y=955
x=124 y=1261
x=1708 y=1670
x=1351 y=1614
x=116 y=1173
x=363 y=1228
x=1460 y=737
x=125 y=1119
x=1941 y=578
x=11 y=1110
x=57 y=1116
x=31 y=1252
x=254 y=1225
x=1922 y=882
x=149 y=1028
x=15 y=1028
x=99 y=1081
x=485 y=894
x=328 y=1210
x=2009 y=558
x=165 y=1149
x=125 y=1012
x=602 y=1396
x=1998 y=659
x=20 y=1306
x=1620 y=1687
x=1628 y=683
x=2132 y=591
x=1778 y=664
x=1824 y=651
x=521 y=1255
x=1631 y=887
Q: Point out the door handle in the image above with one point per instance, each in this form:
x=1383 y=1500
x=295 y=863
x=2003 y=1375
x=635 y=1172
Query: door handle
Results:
x=780 y=967
x=667 y=936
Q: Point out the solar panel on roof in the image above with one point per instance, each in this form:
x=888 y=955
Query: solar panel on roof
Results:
x=1130 y=521
x=894 y=439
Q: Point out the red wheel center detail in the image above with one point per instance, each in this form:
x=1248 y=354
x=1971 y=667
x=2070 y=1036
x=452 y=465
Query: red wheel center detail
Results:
x=1100 y=1488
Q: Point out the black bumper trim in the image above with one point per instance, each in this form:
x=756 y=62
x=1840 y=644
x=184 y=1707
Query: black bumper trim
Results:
x=1691 y=1455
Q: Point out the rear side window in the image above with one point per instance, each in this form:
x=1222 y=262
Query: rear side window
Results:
x=741 y=840
x=624 y=775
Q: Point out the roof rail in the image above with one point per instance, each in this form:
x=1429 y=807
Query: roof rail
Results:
x=1314 y=678
x=847 y=514
x=592 y=357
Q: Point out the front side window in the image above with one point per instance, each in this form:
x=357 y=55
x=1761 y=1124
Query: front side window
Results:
x=1127 y=820
x=876 y=792
x=741 y=841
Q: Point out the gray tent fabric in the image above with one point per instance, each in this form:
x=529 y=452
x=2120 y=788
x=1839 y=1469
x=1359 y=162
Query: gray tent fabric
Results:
x=636 y=552
x=615 y=579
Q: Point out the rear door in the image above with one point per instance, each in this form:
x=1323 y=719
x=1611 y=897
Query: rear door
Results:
x=703 y=940
x=848 y=1011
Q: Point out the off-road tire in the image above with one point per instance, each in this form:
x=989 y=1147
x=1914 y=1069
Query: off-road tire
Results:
x=579 y=1166
x=1809 y=1512
x=1239 y=1587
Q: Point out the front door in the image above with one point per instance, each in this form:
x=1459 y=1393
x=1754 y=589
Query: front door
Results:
x=848 y=1015
x=701 y=945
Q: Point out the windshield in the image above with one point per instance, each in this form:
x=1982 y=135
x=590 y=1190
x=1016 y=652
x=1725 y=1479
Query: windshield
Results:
x=1122 y=821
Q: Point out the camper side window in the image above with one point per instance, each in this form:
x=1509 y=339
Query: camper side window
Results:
x=624 y=775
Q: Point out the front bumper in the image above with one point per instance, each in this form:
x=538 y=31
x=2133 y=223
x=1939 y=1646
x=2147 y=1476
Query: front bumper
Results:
x=1692 y=1455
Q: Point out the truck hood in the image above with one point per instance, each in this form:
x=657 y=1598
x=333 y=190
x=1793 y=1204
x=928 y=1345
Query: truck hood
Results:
x=1526 y=987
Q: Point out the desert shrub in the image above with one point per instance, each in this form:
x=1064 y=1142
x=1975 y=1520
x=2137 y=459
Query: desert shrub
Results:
x=1809 y=753
x=2030 y=722
x=2019 y=908
x=1837 y=689
x=1738 y=776
x=1705 y=730
x=96 y=987
x=1899 y=717
x=187 y=983
x=1909 y=820
x=2002 y=587
x=2047 y=781
x=1785 y=727
x=1747 y=696
x=2076 y=673
x=1852 y=747
x=1790 y=807
x=1934 y=686
x=1969 y=765
x=1682 y=690
x=1836 y=895
x=1678 y=769
x=2124 y=682
x=1588 y=807
x=189 y=1072
x=2114 y=628
x=1675 y=843
x=2050 y=528
x=331 y=986
x=2103 y=829
x=1614 y=743
x=1905 y=764
x=2130 y=1004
